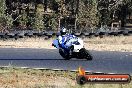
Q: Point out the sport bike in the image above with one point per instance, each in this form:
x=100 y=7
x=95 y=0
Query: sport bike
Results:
x=76 y=49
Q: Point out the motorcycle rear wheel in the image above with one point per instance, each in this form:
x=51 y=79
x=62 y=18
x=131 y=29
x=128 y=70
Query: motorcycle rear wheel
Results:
x=85 y=54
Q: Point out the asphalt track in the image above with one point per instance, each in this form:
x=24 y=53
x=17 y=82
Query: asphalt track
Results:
x=103 y=61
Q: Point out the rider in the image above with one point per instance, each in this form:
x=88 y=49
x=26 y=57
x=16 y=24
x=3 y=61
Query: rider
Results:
x=62 y=38
x=66 y=39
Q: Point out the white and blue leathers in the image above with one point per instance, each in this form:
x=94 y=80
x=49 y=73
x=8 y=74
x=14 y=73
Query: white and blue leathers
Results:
x=66 y=41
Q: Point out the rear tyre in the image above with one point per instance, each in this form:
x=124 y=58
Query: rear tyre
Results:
x=85 y=54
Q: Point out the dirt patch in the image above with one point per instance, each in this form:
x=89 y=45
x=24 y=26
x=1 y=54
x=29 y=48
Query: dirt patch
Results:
x=122 y=44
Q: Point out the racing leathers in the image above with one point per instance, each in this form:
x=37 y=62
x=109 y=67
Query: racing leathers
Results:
x=66 y=41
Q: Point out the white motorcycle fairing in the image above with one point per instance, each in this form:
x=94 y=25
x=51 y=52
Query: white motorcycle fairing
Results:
x=78 y=46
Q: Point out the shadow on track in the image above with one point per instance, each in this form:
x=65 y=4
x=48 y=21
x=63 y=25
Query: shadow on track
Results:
x=48 y=59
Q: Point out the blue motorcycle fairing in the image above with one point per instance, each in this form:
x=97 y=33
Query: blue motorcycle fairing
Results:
x=56 y=43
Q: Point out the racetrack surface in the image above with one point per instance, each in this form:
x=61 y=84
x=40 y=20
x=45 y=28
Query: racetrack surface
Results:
x=103 y=61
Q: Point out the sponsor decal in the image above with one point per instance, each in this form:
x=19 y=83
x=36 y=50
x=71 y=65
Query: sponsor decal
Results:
x=83 y=78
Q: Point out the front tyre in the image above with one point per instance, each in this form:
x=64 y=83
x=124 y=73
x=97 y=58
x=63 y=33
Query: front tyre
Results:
x=65 y=55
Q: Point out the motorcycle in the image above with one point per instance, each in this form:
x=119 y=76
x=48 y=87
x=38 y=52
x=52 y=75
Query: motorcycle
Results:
x=77 y=50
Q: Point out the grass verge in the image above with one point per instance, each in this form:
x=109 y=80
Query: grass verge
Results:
x=11 y=77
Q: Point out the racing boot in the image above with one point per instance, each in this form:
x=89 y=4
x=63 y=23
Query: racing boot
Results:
x=71 y=50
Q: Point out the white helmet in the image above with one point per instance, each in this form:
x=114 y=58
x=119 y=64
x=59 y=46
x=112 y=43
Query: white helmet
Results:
x=63 y=31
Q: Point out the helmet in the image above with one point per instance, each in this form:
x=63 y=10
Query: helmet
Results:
x=63 y=31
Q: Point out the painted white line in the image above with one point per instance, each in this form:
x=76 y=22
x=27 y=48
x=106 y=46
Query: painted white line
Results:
x=99 y=72
x=112 y=73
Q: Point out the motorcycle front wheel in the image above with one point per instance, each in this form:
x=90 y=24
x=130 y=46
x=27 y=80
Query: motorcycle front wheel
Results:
x=65 y=55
